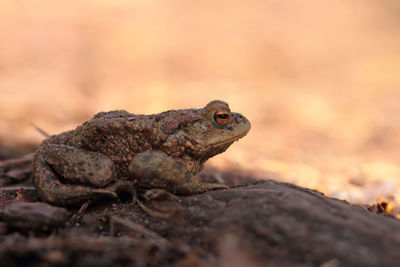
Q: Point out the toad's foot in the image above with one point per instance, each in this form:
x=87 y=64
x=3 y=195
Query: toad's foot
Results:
x=60 y=162
x=154 y=169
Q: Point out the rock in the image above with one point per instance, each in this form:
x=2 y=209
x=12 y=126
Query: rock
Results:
x=34 y=216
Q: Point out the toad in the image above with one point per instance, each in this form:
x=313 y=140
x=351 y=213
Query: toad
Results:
x=117 y=149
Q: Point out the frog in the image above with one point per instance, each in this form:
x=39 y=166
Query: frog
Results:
x=117 y=150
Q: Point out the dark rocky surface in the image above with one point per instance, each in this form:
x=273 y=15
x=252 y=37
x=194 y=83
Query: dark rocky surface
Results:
x=264 y=223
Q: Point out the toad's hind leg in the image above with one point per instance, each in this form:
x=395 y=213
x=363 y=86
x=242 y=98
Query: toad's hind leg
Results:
x=53 y=163
x=154 y=169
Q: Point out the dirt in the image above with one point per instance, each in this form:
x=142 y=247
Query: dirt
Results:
x=99 y=234
x=253 y=223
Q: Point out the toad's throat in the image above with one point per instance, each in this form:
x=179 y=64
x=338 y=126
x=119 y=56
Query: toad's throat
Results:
x=223 y=143
x=216 y=148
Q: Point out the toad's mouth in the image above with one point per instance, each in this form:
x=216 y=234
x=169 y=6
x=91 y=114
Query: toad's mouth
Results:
x=225 y=141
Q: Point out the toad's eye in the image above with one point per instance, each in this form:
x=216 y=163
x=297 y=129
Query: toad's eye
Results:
x=222 y=117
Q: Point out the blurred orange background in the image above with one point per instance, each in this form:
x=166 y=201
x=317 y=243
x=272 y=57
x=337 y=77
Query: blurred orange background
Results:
x=318 y=80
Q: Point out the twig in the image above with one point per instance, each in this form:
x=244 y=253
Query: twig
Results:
x=84 y=243
x=78 y=216
x=154 y=213
x=40 y=130
x=159 y=241
x=17 y=188
x=18 y=162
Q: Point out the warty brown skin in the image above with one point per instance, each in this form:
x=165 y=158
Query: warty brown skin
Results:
x=118 y=149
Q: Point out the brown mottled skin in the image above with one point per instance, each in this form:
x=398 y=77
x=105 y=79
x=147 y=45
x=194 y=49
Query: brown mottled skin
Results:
x=118 y=149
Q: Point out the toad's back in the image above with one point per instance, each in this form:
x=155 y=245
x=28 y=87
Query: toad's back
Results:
x=117 y=134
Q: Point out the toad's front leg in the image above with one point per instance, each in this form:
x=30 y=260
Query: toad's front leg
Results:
x=154 y=169
x=59 y=169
